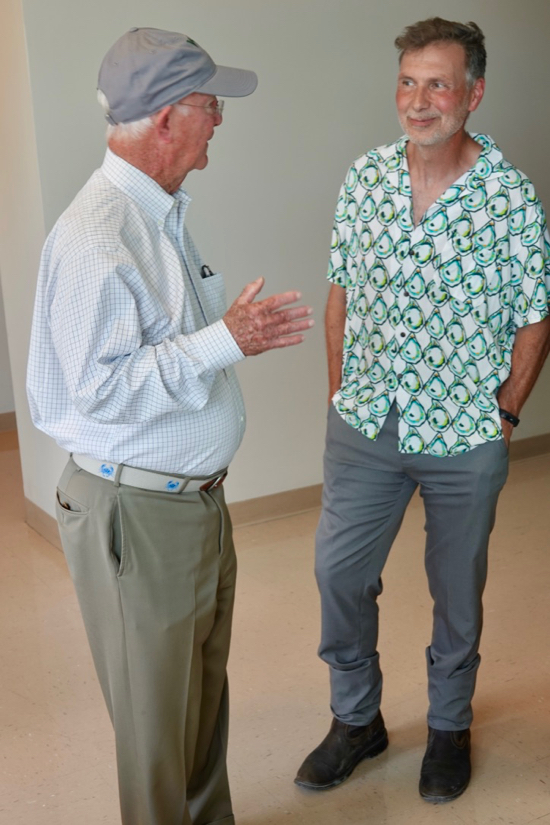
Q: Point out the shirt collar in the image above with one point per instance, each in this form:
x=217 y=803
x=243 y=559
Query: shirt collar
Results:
x=488 y=164
x=141 y=188
x=489 y=151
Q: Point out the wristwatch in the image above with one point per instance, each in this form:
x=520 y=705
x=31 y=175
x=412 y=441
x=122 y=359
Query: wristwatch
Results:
x=512 y=419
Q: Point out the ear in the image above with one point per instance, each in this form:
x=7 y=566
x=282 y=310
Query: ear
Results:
x=163 y=124
x=476 y=94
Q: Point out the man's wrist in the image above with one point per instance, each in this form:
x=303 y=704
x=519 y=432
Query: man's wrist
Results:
x=508 y=416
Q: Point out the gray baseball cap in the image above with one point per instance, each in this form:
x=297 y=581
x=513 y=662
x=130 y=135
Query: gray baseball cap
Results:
x=147 y=69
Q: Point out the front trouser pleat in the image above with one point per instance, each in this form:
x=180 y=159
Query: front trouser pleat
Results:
x=368 y=485
x=155 y=578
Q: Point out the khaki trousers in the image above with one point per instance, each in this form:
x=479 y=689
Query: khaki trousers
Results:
x=155 y=578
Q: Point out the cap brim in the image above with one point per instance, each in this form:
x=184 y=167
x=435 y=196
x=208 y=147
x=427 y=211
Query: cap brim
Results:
x=228 y=82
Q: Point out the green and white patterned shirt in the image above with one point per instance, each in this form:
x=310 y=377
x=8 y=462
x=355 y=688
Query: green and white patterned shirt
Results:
x=432 y=311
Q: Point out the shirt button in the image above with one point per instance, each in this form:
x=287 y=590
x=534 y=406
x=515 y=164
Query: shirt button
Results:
x=403 y=334
x=399 y=376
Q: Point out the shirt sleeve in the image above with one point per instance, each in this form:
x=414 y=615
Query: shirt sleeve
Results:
x=337 y=273
x=111 y=373
x=530 y=256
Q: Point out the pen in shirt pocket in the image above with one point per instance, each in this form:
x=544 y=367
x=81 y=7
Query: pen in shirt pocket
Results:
x=206 y=272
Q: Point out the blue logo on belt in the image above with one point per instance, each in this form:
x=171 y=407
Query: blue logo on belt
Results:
x=107 y=470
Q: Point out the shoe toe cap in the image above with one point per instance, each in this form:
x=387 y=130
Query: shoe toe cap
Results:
x=315 y=774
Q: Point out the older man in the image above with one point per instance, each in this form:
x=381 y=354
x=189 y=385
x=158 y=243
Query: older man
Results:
x=131 y=370
x=437 y=327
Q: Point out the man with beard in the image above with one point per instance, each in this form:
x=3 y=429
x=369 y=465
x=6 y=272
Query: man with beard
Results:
x=437 y=327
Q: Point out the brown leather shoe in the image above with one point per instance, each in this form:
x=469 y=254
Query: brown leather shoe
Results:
x=340 y=752
x=446 y=770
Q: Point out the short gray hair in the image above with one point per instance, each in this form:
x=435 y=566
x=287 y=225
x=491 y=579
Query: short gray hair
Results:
x=437 y=30
x=132 y=130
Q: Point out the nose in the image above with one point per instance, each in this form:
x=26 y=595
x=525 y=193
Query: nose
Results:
x=218 y=118
x=420 y=100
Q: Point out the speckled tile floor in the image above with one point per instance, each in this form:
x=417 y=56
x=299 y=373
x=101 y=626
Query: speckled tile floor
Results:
x=56 y=746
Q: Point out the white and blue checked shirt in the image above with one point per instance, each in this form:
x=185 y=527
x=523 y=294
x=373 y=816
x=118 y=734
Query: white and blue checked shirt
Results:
x=130 y=361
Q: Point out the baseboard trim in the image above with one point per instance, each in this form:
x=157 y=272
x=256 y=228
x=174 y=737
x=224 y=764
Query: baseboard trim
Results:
x=277 y=505
x=44 y=524
x=243 y=513
x=529 y=447
x=7 y=422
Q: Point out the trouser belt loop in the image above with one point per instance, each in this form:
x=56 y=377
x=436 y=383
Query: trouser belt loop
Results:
x=116 y=479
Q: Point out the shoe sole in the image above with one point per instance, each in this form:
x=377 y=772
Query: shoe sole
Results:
x=440 y=800
x=369 y=753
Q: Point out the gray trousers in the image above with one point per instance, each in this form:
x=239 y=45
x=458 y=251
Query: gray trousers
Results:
x=155 y=578
x=368 y=485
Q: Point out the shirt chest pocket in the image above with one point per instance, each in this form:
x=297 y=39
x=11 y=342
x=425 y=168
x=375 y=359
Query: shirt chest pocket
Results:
x=213 y=296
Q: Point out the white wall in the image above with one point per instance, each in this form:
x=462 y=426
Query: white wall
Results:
x=264 y=205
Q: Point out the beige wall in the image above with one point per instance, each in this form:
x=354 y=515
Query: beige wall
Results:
x=7 y=403
x=21 y=238
x=265 y=203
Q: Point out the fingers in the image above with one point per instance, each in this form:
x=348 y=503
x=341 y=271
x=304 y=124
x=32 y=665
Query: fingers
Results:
x=258 y=326
x=281 y=328
x=507 y=431
x=291 y=314
x=287 y=341
x=270 y=304
x=275 y=301
x=276 y=335
x=250 y=291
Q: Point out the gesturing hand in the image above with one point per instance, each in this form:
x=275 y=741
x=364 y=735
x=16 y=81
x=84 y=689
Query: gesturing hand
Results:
x=260 y=326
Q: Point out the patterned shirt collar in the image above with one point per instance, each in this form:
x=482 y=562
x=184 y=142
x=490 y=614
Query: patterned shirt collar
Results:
x=488 y=147
x=487 y=166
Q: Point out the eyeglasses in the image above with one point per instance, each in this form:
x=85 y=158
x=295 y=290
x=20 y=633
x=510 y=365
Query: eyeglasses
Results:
x=213 y=108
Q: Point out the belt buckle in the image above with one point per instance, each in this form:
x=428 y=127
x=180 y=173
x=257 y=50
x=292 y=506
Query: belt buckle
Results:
x=212 y=483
